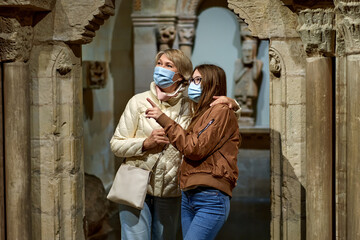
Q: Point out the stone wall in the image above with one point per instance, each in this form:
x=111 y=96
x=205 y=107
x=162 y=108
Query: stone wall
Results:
x=47 y=35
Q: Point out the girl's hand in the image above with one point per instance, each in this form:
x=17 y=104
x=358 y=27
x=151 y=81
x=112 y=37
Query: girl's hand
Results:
x=153 y=112
x=225 y=100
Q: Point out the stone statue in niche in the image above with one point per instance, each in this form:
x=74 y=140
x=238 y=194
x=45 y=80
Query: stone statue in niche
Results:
x=94 y=73
x=247 y=76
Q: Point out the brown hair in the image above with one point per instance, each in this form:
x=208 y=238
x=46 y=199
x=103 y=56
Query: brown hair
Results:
x=181 y=62
x=213 y=83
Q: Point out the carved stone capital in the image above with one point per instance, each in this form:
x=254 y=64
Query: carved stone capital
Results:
x=316 y=29
x=166 y=36
x=15 y=40
x=349 y=25
x=186 y=35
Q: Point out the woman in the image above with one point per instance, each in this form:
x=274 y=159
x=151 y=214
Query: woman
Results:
x=209 y=170
x=143 y=142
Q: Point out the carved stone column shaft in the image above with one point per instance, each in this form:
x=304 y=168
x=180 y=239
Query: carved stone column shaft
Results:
x=2 y=183
x=317 y=34
x=353 y=153
x=17 y=150
x=348 y=27
x=319 y=148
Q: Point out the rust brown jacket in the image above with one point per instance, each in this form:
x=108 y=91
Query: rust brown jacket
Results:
x=210 y=149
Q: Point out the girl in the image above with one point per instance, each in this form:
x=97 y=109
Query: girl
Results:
x=209 y=170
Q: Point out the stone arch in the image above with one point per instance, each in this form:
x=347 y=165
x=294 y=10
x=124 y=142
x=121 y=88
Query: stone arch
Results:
x=188 y=7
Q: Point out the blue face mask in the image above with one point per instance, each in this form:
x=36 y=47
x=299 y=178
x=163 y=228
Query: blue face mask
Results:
x=163 y=77
x=194 y=92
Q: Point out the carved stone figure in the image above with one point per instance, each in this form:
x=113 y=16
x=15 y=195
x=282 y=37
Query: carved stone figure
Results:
x=94 y=73
x=186 y=35
x=247 y=74
x=166 y=36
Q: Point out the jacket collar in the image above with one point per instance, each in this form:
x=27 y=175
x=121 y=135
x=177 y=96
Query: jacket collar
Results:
x=171 y=102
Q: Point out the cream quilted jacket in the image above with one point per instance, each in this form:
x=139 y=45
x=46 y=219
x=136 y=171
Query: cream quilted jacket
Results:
x=134 y=128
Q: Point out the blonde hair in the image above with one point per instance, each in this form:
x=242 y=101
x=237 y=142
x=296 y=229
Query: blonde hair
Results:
x=181 y=62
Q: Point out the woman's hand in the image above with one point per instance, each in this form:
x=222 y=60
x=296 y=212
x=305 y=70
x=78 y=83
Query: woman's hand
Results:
x=225 y=100
x=156 y=139
x=153 y=112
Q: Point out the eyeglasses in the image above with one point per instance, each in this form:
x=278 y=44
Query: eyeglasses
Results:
x=196 y=80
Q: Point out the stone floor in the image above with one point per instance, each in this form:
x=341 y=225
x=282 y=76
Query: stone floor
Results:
x=249 y=219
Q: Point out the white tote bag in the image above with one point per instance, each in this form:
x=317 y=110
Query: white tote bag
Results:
x=130 y=186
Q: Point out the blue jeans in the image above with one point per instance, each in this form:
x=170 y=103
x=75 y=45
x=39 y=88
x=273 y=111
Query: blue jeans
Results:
x=204 y=211
x=158 y=220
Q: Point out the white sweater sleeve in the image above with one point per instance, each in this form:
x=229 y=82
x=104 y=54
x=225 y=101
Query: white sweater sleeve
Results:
x=123 y=143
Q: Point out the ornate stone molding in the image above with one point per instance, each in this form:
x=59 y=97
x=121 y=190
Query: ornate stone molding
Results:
x=74 y=22
x=316 y=29
x=349 y=24
x=29 y=4
x=15 y=40
x=137 y=5
x=97 y=19
x=150 y=20
x=274 y=63
x=262 y=17
x=64 y=63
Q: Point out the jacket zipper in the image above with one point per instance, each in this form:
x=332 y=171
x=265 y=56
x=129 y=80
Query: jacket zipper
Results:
x=211 y=121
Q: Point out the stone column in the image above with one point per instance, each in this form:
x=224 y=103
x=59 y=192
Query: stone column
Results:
x=17 y=150
x=15 y=52
x=2 y=177
x=186 y=33
x=340 y=139
x=348 y=25
x=317 y=34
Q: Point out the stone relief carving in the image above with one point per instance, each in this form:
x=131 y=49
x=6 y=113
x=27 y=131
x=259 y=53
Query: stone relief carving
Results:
x=15 y=40
x=186 y=35
x=94 y=73
x=274 y=63
x=166 y=36
x=316 y=29
x=74 y=22
x=349 y=25
x=137 y=5
x=247 y=75
x=64 y=65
